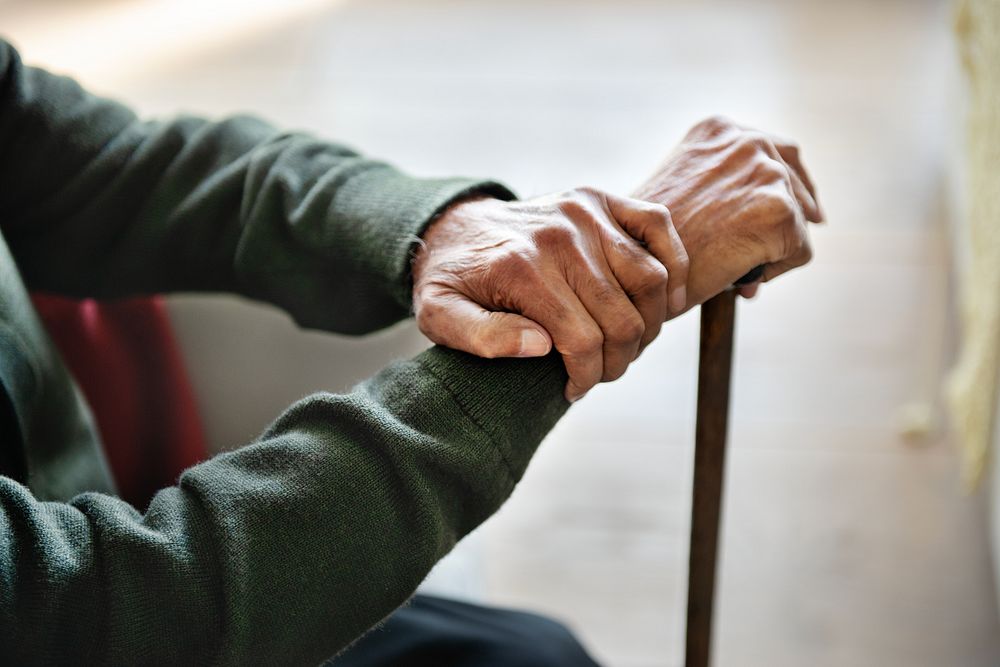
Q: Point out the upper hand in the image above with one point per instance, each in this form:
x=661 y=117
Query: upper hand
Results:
x=739 y=199
x=512 y=279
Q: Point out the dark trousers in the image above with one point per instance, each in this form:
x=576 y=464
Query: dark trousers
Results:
x=446 y=633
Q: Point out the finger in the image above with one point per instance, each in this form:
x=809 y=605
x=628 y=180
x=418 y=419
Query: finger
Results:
x=596 y=285
x=800 y=257
x=711 y=129
x=802 y=194
x=574 y=333
x=797 y=187
x=453 y=320
x=621 y=323
x=794 y=250
x=642 y=278
x=792 y=156
x=749 y=291
x=789 y=154
x=652 y=225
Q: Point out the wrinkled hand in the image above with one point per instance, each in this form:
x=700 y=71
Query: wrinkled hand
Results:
x=739 y=199
x=512 y=279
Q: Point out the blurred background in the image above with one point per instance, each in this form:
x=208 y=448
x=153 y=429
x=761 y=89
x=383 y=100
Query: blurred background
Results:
x=848 y=537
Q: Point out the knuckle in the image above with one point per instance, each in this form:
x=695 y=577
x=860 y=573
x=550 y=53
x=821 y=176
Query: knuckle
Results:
x=586 y=192
x=585 y=342
x=518 y=260
x=715 y=124
x=767 y=170
x=624 y=246
x=780 y=208
x=628 y=328
x=654 y=277
x=659 y=212
x=555 y=235
x=506 y=277
x=606 y=294
x=574 y=206
x=754 y=142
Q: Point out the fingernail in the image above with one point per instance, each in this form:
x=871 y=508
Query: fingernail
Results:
x=533 y=344
x=573 y=398
x=678 y=299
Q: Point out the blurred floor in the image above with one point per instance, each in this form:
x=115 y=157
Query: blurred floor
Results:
x=843 y=545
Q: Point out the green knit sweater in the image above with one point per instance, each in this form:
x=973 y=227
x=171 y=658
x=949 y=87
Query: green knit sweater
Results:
x=283 y=551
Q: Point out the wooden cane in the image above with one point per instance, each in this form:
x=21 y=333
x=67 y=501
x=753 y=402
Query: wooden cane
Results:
x=714 y=372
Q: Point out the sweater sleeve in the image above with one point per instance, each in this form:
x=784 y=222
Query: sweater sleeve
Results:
x=284 y=551
x=94 y=202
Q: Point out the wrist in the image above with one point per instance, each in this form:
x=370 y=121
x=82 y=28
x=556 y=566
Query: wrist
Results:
x=450 y=223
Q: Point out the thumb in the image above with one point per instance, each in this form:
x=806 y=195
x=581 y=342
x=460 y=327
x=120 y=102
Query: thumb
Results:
x=455 y=321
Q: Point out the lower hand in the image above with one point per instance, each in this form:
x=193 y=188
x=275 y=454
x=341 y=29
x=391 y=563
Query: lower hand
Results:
x=739 y=199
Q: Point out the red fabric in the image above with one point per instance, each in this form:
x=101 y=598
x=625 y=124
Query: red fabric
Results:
x=126 y=360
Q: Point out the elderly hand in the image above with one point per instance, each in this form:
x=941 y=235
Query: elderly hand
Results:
x=511 y=279
x=504 y=279
x=739 y=199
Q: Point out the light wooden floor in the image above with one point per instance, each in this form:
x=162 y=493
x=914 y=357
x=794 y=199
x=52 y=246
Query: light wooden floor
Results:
x=843 y=544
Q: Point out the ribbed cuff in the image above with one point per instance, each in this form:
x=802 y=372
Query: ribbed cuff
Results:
x=515 y=402
x=405 y=206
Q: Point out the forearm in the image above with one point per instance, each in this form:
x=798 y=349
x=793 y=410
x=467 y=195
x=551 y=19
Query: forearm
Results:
x=288 y=549
x=96 y=202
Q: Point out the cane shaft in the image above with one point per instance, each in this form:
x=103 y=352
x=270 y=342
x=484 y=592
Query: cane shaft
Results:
x=714 y=372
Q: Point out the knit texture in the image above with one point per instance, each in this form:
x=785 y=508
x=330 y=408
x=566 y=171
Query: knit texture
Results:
x=283 y=551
